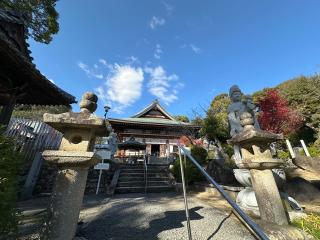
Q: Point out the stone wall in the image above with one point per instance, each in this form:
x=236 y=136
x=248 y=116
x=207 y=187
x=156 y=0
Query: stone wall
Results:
x=48 y=173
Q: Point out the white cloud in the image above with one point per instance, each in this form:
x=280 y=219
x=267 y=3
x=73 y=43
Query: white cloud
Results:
x=104 y=63
x=122 y=88
x=123 y=83
x=157 y=52
x=90 y=72
x=168 y=7
x=51 y=80
x=133 y=59
x=163 y=86
x=155 y=22
x=195 y=49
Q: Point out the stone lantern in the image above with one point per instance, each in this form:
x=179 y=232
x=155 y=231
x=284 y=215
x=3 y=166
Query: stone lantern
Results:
x=73 y=160
x=255 y=155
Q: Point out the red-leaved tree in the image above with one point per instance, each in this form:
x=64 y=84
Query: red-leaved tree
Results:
x=276 y=116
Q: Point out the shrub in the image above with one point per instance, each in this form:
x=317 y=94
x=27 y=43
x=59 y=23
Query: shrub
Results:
x=199 y=153
x=9 y=165
x=314 y=151
x=211 y=155
x=228 y=149
x=283 y=155
x=192 y=174
x=309 y=224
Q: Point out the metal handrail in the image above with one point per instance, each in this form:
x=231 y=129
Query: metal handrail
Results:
x=185 y=196
x=254 y=227
x=145 y=175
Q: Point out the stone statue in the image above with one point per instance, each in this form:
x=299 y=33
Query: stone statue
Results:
x=239 y=105
x=235 y=109
x=254 y=160
x=113 y=142
x=251 y=108
x=88 y=103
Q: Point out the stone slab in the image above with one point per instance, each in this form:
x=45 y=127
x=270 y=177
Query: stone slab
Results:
x=71 y=159
x=76 y=121
x=255 y=137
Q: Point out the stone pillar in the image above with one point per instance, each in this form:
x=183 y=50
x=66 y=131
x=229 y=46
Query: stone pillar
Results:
x=68 y=191
x=268 y=197
x=255 y=155
x=73 y=160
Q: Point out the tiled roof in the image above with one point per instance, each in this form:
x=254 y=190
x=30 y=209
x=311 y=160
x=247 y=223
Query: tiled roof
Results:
x=25 y=60
x=157 y=121
x=11 y=16
x=154 y=105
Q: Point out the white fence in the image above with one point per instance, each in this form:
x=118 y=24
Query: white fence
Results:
x=32 y=137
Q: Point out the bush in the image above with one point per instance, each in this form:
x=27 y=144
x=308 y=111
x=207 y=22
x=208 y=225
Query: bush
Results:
x=192 y=174
x=314 y=151
x=211 y=155
x=199 y=153
x=228 y=149
x=309 y=224
x=283 y=155
x=9 y=165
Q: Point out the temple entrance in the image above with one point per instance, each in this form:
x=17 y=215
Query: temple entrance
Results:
x=155 y=149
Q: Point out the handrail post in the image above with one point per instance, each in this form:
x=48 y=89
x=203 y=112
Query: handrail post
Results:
x=255 y=228
x=185 y=196
x=145 y=176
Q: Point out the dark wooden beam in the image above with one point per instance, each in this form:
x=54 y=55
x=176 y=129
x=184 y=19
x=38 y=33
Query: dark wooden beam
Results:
x=7 y=110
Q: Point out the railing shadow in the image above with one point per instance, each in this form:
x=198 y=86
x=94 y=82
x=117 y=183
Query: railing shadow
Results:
x=219 y=227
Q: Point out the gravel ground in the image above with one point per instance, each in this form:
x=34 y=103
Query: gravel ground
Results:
x=157 y=216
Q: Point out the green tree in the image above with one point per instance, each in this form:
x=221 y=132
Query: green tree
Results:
x=302 y=94
x=40 y=17
x=215 y=124
x=36 y=112
x=192 y=174
x=182 y=118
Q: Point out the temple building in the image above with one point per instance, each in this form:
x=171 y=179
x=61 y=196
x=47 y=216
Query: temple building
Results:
x=155 y=127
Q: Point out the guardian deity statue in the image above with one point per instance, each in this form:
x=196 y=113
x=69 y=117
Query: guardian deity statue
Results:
x=113 y=142
x=240 y=104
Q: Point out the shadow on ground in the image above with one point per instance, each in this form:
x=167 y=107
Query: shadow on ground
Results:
x=130 y=222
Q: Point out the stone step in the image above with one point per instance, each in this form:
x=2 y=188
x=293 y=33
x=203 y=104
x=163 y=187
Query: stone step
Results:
x=142 y=183
x=124 y=174
x=142 y=167
x=132 y=170
x=128 y=179
x=158 y=183
x=142 y=189
x=142 y=170
x=131 y=184
x=142 y=175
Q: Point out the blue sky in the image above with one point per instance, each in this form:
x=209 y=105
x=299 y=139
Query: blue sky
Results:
x=181 y=52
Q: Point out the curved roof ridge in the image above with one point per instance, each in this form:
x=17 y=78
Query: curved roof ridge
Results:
x=155 y=103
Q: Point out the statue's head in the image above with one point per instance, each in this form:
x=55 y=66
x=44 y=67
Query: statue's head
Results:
x=248 y=100
x=235 y=93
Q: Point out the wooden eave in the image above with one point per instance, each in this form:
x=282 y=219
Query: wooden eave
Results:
x=20 y=78
x=121 y=123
